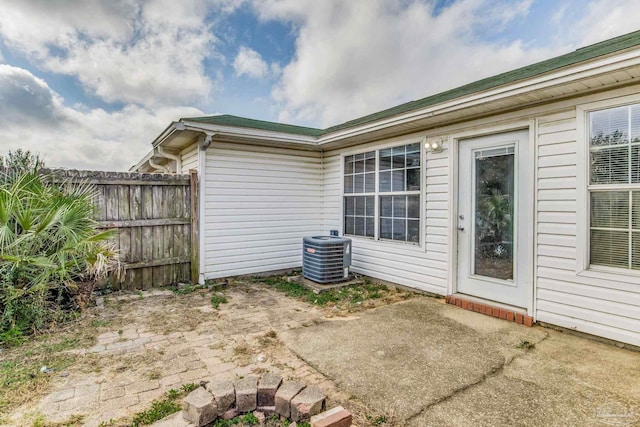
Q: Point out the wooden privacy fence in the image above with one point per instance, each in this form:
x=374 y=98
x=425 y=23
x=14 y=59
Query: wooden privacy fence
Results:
x=156 y=218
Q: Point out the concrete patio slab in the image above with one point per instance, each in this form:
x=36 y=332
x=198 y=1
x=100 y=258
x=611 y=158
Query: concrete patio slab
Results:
x=425 y=363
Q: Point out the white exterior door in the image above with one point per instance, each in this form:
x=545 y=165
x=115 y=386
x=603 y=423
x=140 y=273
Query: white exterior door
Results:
x=495 y=225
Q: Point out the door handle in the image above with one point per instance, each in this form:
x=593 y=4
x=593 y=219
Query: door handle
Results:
x=460 y=227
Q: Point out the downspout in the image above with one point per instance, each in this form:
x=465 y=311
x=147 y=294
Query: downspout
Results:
x=203 y=144
x=170 y=156
x=157 y=166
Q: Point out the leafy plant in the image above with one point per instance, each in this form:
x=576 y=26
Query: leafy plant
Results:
x=22 y=160
x=217 y=299
x=51 y=253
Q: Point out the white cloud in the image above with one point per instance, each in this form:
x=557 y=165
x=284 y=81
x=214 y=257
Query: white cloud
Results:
x=144 y=52
x=250 y=63
x=361 y=56
x=34 y=117
x=357 y=57
x=605 y=19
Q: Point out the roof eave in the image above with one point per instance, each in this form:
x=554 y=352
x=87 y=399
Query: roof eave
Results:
x=566 y=74
x=233 y=131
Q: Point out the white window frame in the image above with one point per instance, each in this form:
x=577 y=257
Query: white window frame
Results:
x=583 y=189
x=377 y=148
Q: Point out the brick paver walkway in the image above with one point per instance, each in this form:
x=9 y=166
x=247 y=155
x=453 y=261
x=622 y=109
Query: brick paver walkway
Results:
x=230 y=342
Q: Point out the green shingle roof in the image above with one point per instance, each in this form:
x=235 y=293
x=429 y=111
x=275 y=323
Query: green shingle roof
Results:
x=583 y=54
x=228 y=120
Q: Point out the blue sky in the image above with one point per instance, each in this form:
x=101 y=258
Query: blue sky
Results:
x=89 y=84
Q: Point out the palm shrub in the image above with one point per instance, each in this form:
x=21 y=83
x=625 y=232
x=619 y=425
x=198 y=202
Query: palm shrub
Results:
x=50 y=249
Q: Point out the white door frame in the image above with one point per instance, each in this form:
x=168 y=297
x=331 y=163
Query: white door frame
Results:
x=452 y=255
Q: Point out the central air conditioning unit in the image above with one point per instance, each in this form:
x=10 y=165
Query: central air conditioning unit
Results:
x=326 y=259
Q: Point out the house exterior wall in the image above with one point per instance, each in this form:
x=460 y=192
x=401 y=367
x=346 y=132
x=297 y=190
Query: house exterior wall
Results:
x=603 y=305
x=259 y=203
x=189 y=158
x=566 y=296
x=422 y=266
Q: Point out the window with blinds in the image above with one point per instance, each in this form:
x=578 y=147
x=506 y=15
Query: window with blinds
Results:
x=614 y=187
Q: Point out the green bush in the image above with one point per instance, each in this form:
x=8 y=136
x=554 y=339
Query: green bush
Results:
x=50 y=250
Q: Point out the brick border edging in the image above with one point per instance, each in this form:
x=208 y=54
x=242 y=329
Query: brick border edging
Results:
x=263 y=396
x=489 y=310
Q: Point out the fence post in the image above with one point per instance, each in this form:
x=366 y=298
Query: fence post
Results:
x=195 y=221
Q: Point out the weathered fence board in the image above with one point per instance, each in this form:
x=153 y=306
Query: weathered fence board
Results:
x=156 y=222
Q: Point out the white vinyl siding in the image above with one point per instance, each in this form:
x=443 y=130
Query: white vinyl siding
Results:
x=607 y=308
x=189 y=158
x=259 y=204
x=421 y=267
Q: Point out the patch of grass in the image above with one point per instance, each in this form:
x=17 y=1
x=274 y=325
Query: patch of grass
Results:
x=241 y=349
x=189 y=387
x=20 y=377
x=163 y=408
x=154 y=374
x=21 y=380
x=217 y=299
x=242 y=420
x=377 y=420
x=186 y=289
x=352 y=294
x=99 y=323
x=12 y=338
x=73 y=421
x=159 y=409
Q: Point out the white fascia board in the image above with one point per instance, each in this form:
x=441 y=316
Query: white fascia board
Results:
x=566 y=75
x=142 y=161
x=165 y=134
x=252 y=133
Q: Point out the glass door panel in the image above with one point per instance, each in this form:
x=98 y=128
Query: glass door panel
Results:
x=493 y=213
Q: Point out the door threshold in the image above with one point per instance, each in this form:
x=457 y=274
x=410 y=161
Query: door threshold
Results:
x=491 y=308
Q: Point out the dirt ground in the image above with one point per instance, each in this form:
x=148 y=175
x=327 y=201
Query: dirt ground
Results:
x=132 y=348
x=391 y=357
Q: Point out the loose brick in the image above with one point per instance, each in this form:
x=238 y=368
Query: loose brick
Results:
x=225 y=394
x=503 y=314
x=247 y=394
x=510 y=316
x=519 y=318
x=496 y=312
x=465 y=304
x=447 y=299
x=173 y=420
x=336 y=417
x=267 y=410
x=528 y=321
x=267 y=388
x=284 y=395
x=488 y=310
x=199 y=407
x=307 y=403
x=230 y=414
